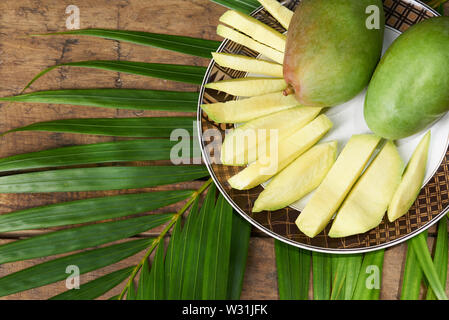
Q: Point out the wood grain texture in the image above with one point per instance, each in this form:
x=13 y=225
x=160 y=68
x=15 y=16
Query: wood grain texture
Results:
x=23 y=56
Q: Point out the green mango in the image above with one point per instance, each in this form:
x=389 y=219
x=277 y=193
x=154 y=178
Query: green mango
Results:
x=410 y=87
x=332 y=49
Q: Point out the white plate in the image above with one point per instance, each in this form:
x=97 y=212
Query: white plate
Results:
x=348 y=120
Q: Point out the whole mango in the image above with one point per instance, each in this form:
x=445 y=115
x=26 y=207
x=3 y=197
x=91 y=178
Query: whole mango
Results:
x=410 y=87
x=332 y=49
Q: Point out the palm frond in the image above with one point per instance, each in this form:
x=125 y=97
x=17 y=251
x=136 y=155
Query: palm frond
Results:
x=354 y=263
x=197 y=264
x=437 y=5
x=72 y=239
x=118 y=151
x=370 y=273
x=412 y=275
x=137 y=99
x=206 y=256
x=180 y=73
x=196 y=242
x=54 y=270
x=171 y=261
x=339 y=269
x=218 y=247
x=345 y=271
x=145 y=127
x=142 y=292
x=322 y=275
x=293 y=269
x=241 y=231
x=156 y=281
x=198 y=250
x=176 y=271
x=440 y=258
x=193 y=201
x=99 y=178
x=88 y=210
x=182 y=44
x=95 y=288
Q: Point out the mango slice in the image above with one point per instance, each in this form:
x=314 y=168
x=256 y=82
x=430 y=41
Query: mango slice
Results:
x=257 y=30
x=287 y=150
x=243 y=144
x=236 y=111
x=337 y=184
x=298 y=179
x=278 y=11
x=248 y=64
x=248 y=87
x=367 y=202
x=252 y=44
x=411 y=182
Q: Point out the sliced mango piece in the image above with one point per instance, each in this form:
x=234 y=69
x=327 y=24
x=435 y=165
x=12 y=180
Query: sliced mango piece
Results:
x=236 y=111
x=367 y=202
x=240 y=146
x=248 y=64
x=278 y=11
x=248 y=87
x=337 y=184
x=298 y=179
x=411 y=182
x=252 y=44
x=257 y=30
x=284 y=153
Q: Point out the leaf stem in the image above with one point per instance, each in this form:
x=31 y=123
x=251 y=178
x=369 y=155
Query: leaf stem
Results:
x=156 y=241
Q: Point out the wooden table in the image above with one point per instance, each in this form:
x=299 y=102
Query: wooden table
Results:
x=21 y=57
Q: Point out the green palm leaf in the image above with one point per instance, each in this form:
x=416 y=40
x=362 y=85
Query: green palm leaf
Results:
x=437 y=5
x=54 y=270
x=137 y=99
x=131 y=294
x=142 y=292
x=339 y=270
x=200 y=267
x=419 y=245
x=180 y=252
x=196 y=241
x=245 y=6
x=241 y=232
x=156 y=281
x=322 y=275
x=78 y=238
x=154 y=127
x=440 y=259
x=412 y=275
x=218 y=249
x=118 y=151
x=182 y=44
x=99 y=178
x=88 y=210
x=198 y=255
x=180 y=73
x=95 y=288
x=293 y=269
x=353 y=265
x=171 y=261
x=370 y=276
